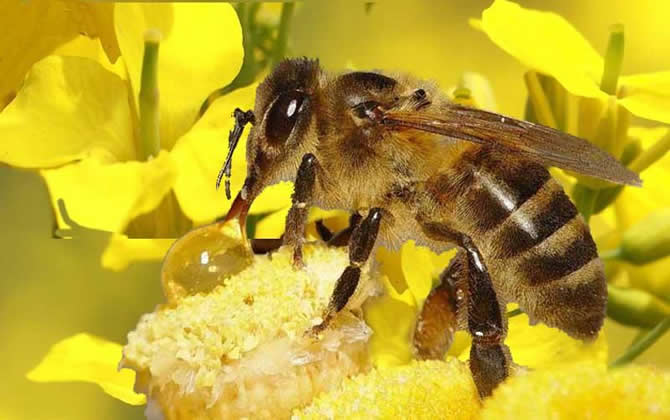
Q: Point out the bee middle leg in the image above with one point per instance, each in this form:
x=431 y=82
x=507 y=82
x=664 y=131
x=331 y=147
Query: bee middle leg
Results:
x=340 y=238
x=438 y=320
x=361 y=243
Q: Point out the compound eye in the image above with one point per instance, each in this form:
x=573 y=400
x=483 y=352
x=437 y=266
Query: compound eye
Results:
x=282 y=117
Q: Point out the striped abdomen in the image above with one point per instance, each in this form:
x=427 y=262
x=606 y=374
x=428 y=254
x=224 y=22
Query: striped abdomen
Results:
x=537 y=248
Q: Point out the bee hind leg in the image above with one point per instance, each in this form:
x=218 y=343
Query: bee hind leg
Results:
x=361 y=243
x=490 y=359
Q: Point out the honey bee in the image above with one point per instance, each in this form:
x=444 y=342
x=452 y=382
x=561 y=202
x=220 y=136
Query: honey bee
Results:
x=408 y=163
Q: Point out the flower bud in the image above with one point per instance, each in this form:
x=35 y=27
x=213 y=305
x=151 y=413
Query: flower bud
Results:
x=635 y=307
x=648 y=240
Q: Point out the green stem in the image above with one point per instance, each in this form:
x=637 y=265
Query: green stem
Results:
x=515 y=312
x=539 y=100
x=639 y=336
x=640 y=345
x=150 y=142
x=651 y=155
x=282 y=37
x=613 y=60
x=588 y=203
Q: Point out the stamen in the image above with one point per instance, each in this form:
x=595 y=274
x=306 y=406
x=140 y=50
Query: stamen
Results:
x=539 y=100
x=613 y=60
x=150 y=142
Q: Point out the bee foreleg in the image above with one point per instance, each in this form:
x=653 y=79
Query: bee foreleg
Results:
x=294 y=234
x=438 y=319
x=489 y=358
x=361 y=244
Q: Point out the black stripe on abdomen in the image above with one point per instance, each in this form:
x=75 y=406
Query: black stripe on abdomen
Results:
x=498 y=186
x=516 y=238
x=558 y=263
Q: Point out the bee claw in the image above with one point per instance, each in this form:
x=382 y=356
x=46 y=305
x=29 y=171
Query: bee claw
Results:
x=316 y=330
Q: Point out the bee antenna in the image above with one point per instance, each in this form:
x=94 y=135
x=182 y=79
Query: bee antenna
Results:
x=242 y=118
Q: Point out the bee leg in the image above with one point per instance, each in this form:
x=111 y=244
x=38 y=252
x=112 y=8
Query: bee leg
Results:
x=342 y=237
x=265 y=245
x=490 y=359
x=324 y=233
x=361 y=243
x=294 y=234
x=438 y=320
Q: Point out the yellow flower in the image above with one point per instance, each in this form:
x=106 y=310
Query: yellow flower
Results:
x=420 y=390
x=557 y=49
x=261 y=305
x=581 y=93
x=76 y=117
x=78 y=122
x=86 y=358
x=582 y=391
x=230 y=341
x=633 y=206
x=38 y=27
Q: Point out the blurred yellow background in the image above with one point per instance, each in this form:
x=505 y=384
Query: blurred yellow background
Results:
x=51 y=289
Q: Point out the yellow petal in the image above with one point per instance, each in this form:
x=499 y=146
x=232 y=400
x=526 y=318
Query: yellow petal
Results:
x=83 y=46
x=421 y=390
x=272 y=225
x=69 y=108
x=647 y=95
x=107 y=196
x=86 y=358
x=542 y=347
x=200 y=51
x=335 y=220
x=481 y=91
x=121 y=251
x=420 y=266
x=417 y=268
x=555 y=48
x=635 y=203
x=38 y=27
x=391 y=317
x=273 y=198
x=200 y=154
x=582 y=391
x=391 y=267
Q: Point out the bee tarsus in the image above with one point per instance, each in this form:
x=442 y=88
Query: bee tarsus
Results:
x=362 y=242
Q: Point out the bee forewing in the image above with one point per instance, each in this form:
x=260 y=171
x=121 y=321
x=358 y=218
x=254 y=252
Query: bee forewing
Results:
x=537 y=142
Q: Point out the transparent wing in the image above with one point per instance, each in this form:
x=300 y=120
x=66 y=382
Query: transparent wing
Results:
x=537 y=142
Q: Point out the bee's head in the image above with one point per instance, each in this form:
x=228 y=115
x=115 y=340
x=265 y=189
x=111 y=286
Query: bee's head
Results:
x=282 y=131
